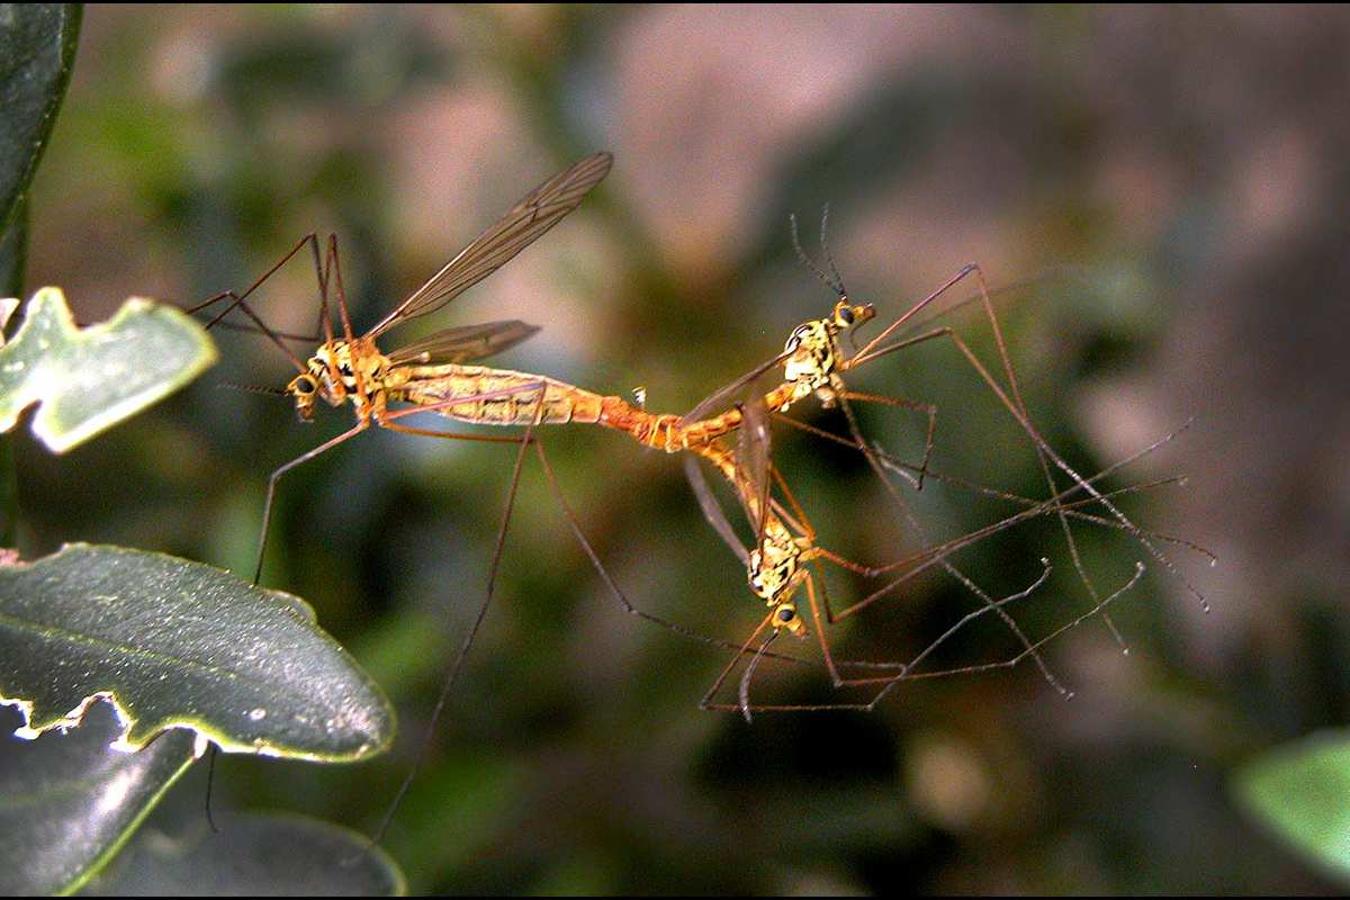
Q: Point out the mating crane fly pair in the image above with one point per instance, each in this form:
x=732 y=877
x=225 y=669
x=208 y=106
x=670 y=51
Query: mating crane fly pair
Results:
x=732 y=434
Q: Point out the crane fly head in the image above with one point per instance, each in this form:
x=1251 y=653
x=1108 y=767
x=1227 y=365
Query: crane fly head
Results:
x=303 y=388
x=847 y=316
x=331 y=375
x=786 y=616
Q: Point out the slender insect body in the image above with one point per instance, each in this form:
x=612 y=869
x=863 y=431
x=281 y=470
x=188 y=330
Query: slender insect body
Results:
x=775 y=571
x=775 y=567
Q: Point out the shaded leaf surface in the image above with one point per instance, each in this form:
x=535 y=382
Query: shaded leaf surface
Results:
x=37 y=51
x=178 y=644
x=68 y=801
x=90 y=379
x=254 y=855
x=1302 y=791
x=14 y=254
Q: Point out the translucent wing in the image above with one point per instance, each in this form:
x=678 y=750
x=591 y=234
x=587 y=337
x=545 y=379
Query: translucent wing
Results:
x=712 y=510
x=464 y=343
x=714 y=401
x=536 y=213
x=751 y=480
x=752 y=463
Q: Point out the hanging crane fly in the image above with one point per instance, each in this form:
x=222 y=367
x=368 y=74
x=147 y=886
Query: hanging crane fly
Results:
x=778 y=563
x=814 y=363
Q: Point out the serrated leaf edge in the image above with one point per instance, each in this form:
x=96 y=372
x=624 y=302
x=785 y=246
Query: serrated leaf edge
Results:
x=205 y=733
x=40 y=390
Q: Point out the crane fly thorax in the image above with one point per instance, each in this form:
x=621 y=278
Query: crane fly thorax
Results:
x=814 y=354
x=773 y=573
x=332 y=374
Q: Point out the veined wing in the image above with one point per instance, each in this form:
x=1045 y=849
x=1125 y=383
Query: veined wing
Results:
x=536 y=213
x=712 y=510
x=751 y=481
x=752 y=463
x=715 y=401
x=464 y=343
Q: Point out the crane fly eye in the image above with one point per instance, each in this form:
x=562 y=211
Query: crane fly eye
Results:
x=846 y=316
x=304 y=385
x=786 y=614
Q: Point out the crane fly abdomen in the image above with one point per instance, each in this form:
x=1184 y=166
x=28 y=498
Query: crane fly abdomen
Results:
x=497 y=396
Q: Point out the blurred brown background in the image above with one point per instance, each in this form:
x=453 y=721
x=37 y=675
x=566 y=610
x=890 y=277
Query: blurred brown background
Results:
x=1167 y=185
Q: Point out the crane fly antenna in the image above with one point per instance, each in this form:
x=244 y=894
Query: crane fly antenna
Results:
x=838 y=283
x=254 y=388
x=834 y=283
x=743 y=692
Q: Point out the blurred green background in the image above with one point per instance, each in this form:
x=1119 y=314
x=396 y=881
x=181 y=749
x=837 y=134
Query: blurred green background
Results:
x=1168 y=185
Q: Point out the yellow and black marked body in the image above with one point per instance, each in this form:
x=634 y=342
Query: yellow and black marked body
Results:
x=815 y=358
x=356 y=369
x=332 y=376
x=776 y=566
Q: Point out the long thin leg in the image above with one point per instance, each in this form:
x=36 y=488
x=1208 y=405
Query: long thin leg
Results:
x=942 y=560
x=613 y=588
x=743 y=703
x=453 y=675
x=238 y=300
x=916 y=563
x=1049 y=453
x=928 y=409
x=1019 y=411
x=884 y=684
x=915 y=310
x=1016 y=390
x=311 y=239
x=456 y=435
x=1032 y=651
x=282 y=470
x=362 y=425
x=741 y=651
x=276 y=337
x=344 y=314
x=748 y=676
x=1072 y=508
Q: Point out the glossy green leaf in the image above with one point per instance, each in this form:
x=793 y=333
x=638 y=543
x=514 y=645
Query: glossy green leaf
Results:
x=1302 y=792
x=253 y=855
x=37 y=52
x=68 y=801
x=178 y=644
x=89 y=379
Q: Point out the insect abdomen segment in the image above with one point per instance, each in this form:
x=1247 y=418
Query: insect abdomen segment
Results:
x=499 y=396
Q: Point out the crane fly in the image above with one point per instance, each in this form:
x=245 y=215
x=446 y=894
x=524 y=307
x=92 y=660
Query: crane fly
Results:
x=350 y=368
x=785 y=552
